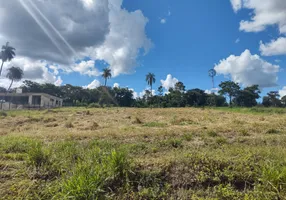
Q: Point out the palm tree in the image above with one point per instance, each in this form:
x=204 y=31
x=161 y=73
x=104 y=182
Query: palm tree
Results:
x=7 y=54
x=150 y=79
x=106 y=74
x=14 y=74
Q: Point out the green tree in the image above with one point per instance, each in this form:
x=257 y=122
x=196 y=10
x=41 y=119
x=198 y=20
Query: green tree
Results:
x=273 y=99
x=150 y=79
x=283 y=100
x=14 y=74
x=215 y=100
x=247 y=97
x=7 y=54
x=196 y=97
x=179 y=86
x=160 y=90
x=106 y=74
x=230 y=89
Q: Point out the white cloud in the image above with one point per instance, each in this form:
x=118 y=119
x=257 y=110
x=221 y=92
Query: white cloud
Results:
x=94 y=84
x=141 y=94
x=169 y=13
x=248 y=69
x=116 y=85
x=266 y=13
x=163 y=21
x=282 y=92
x=237 y=40
x=275 y=47
x=135 y=94
x=213 y=90
x=236 y=4
x=59 y=81
x=86 y=68
x=37 y=71
x=126 y=37
x=169 y=82
x=71 y=30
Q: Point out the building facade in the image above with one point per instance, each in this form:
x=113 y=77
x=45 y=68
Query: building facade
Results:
x=29 y=100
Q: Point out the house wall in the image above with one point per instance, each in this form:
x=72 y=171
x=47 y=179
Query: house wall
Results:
x=47 y=101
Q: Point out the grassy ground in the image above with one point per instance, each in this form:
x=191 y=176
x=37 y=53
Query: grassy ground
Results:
x=126 y=153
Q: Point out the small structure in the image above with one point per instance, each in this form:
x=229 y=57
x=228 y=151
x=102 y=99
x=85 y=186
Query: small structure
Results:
x=20 y=100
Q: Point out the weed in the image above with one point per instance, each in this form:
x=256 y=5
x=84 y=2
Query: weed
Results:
x=137 y=121
x=212 y=133
x=188 y=136
x=3 y=114
x=155 y=124
x=272 y=131
x=69 y=124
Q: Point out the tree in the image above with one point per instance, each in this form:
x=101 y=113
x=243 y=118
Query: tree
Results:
x=160 y=90
x=273 y=99
x=283 y=100
x=150 y=79
x=14 y=74
x=247 y=97
x=179 y=86
x=7 y=54
x=106 y=74
x=229 y=88
x=196 y=97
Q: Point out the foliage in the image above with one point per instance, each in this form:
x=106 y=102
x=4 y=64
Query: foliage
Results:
x=229 y=88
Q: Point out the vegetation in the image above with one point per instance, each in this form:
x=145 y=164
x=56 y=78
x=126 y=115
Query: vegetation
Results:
x=106 y=74
x=14 y=74
x=127 y=153
x=7 y=54
x=150 y=79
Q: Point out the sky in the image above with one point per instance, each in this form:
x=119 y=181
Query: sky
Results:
x=71 y=41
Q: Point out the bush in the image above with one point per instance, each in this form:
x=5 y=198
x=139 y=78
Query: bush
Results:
x=94 y=105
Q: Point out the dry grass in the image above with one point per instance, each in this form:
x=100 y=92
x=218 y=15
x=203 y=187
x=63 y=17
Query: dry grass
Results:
x=155 y=139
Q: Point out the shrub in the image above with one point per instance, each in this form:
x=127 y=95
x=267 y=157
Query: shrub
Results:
x=3 y=114
x=94 y=105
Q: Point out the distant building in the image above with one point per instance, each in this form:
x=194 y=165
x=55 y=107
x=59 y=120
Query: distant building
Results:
x=20 y=100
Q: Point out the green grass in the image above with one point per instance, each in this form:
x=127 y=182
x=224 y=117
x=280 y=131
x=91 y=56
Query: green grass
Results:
x=106 y=155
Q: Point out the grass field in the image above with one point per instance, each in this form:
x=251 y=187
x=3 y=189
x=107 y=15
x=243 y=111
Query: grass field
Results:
x=128 y=153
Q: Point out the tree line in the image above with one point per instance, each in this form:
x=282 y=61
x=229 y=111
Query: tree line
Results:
x=178 y=96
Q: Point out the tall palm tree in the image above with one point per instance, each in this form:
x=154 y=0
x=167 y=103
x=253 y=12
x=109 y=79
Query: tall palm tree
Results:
x=14 y=74
x=106 y=74
x=150 y=79
x=7 y=54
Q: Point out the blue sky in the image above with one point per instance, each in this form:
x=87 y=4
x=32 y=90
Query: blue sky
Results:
x=186 y=40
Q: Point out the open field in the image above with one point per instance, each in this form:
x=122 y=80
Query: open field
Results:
x=128 y=153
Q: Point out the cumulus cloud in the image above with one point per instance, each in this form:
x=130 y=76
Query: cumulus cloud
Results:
x=125 y=39
x=236 y=4
x=169 y=82
x=213 y=90
x=59 y=81
x=237 y=40
x=37 y=71
x=94 y=84
x=116 y=85
x=248 y=69
x=275 y=47
x=282 y=92
x=265 y=14
x=70 y=30
x=86 y=68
